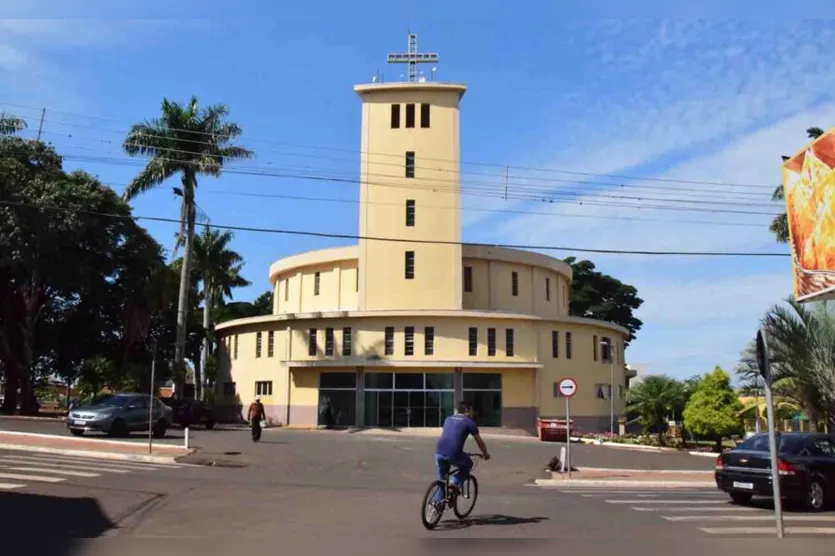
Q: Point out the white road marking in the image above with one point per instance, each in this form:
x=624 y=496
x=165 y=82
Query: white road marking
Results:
x=762 y=517
x=768 y=530
x=97 y=461
x=727 y=508
x=28 y=469
x=79 y=466
x=10 y=486
x=661 y=501
x=39 y=478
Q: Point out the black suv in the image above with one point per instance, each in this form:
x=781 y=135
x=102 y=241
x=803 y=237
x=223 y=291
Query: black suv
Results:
x=188 y=413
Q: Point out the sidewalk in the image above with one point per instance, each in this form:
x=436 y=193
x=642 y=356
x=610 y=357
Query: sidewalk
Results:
x=434 y=432
x=630 y=478
x=91 y=447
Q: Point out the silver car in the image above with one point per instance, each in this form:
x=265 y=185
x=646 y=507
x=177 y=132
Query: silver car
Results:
x=121 y=414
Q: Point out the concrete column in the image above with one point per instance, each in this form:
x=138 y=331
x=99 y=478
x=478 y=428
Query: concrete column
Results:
x=359 y=420
x=458 y=382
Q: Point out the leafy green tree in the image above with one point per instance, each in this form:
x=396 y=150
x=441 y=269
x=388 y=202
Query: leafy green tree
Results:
x=187 y=141
x=219 y=268
x=262 y=305
x=713 y=409
x=595 y=295
x=10 y=125
x=780 y=224
x=654 y=400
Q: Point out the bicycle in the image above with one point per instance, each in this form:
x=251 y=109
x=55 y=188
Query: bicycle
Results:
x=442 y=494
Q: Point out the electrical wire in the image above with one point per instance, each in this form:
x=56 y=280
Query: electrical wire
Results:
x=394 y=240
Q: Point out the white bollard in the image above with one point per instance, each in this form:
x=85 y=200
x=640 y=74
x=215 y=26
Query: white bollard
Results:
x=186 y=437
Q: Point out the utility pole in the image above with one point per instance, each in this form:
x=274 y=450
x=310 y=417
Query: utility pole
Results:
x=151 y=403
x=40 y=126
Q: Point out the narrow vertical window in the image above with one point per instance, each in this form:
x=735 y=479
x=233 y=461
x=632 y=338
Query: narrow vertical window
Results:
x=424 y=115
x=287 y=289
x=395 y=116
x=410 y=212
x=311 y=342
x=357 y=280
x=568 y=345
x=508 y=348
x=410 y=115
x=547 y=289
x=491 y=342
x=594 y=347
x=409 y=340
x=473 y=341
x=410 y=265
x=555 y=344
x=410 y=164
x=429 y=340
x=258 y=344
x=347 y=342
x=316 y=281
x=235 y=355
x=514 y=283
x=270 y=343
x=468 y=279
x=328 y=341
x=389 y=344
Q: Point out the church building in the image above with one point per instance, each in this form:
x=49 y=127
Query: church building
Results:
x=390 y=332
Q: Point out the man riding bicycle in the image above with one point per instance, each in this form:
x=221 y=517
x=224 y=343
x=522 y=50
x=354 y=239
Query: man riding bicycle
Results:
x=450 y=447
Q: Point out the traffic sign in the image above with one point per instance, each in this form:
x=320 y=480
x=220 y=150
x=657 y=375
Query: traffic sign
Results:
x=568 y=387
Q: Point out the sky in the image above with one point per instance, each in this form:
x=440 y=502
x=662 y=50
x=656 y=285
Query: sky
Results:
x=563 y=102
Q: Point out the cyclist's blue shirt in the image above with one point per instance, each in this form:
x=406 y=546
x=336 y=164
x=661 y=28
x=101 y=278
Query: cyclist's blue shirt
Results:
x=454 y=435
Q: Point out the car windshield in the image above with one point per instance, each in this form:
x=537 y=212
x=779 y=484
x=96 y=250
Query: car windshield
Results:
x=113 y=401
x=759 y=443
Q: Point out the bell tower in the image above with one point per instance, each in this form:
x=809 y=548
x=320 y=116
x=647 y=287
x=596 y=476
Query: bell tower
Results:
x=410 y=190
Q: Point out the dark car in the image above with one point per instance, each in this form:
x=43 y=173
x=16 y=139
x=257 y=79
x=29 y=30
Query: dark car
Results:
x=806 y=467
x=188 y=413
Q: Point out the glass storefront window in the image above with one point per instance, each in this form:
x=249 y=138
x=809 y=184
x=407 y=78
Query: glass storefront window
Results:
x=338 y=380
x=408 y=399
x=379 y=381
x=408 y=381
x=484 y=391
x=440 y=381
x=482 y=381
x=337 y=407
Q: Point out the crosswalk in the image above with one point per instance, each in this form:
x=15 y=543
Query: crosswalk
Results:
x=18 y=469
x=711 y=511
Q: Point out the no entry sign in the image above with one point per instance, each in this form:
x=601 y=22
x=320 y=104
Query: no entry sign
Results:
x=568 y=387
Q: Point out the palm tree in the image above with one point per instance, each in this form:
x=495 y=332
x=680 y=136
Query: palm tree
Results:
x=780 y=225
x=187 y=141
x=802 y=348
x=654 y=399
x=219 y=268
x=9 y=125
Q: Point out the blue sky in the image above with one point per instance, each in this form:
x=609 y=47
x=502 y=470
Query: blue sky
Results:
x=704 y=101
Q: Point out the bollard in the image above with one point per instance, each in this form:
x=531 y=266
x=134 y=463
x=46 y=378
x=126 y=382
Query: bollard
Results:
x=186 y=437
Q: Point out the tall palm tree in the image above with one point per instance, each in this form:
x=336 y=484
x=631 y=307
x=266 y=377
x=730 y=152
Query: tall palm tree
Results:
x=780 y=225
x=188 y=141
x=219 y=268
x=802 y=346
x=654 y=399
x=9 y=124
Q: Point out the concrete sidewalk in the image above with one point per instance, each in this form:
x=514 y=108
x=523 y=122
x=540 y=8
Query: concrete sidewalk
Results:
x=630 y=478
x=91 y=447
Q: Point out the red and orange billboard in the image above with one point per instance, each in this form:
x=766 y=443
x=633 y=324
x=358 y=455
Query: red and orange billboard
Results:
x=809 y=190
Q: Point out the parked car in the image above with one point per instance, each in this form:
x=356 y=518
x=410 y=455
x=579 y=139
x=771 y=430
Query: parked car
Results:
x=806 y=467
x=121 y=414
x=188 y=413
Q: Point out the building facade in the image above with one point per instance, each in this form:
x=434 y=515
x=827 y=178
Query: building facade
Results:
x=392 y=331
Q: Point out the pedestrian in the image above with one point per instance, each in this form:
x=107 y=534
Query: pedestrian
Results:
x=255 y=415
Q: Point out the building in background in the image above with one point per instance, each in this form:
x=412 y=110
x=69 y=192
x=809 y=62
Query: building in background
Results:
x=392 y=331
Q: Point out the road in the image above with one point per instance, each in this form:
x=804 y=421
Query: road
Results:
x=335 y=490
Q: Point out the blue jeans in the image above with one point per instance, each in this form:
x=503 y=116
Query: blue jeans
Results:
x=462 y=461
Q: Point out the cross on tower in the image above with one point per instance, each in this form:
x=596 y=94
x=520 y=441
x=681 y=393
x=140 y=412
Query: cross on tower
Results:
x=412 y=57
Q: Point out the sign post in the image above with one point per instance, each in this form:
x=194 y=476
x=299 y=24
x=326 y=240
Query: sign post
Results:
x=151 y=401
x=568 y=387
x=764 y=364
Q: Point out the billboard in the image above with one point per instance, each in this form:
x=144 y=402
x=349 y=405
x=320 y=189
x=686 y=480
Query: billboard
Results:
x=809 y=190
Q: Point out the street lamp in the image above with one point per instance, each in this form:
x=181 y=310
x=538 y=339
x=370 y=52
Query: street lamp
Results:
x=607 y=354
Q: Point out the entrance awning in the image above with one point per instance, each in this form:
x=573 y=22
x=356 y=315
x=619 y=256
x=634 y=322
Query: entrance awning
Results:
x=414 y=364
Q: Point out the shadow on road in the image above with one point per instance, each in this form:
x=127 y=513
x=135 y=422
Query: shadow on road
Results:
x=495 y=519
x=28 y=517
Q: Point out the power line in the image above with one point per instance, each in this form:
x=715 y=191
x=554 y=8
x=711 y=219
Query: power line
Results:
x=397 y=240
x=355 y=151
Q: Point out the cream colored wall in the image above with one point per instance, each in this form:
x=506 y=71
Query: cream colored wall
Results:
x=581 y=367
x=337 y=288
x=492 y=289
x=435 y=189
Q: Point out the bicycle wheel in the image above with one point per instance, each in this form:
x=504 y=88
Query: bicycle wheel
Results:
x=467 y=495
x=433 y=505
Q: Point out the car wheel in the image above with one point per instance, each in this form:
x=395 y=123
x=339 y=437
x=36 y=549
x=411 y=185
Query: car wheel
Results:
x=816 y=495
x=118 y=428
x=210 y=425
x=741 y=498
x=160 y=429
x=77 y=432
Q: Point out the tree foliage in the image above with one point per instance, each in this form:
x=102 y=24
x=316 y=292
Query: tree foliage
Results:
x=655 y=399
x=713 y=409
x=595 y=295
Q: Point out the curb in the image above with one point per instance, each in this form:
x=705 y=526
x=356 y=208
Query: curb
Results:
x=165 y=460
x=58 y=419
x=662 y=471
x=704 y=454
x=571 y=483
x=97 y=441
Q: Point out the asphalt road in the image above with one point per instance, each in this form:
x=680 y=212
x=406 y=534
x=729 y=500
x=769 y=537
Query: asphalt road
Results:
x=334 y=491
